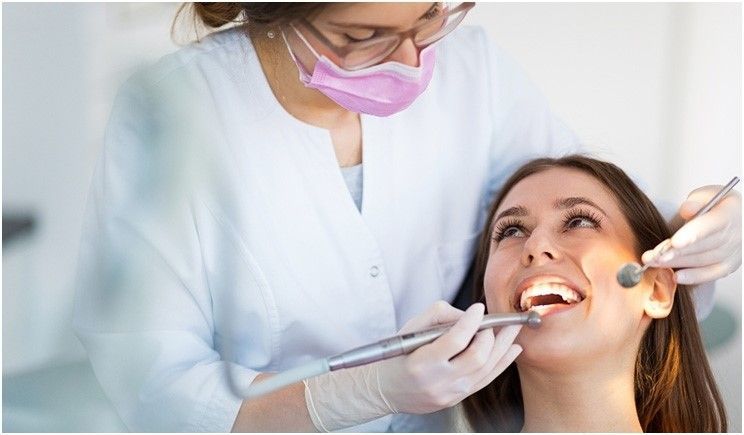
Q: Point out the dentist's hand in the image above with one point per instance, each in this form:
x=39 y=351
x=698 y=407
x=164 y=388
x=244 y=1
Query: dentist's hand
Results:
x=457 y=364
x=708 y=247
x=435 y=376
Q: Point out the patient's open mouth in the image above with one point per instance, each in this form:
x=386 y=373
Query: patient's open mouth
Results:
x=540 y=297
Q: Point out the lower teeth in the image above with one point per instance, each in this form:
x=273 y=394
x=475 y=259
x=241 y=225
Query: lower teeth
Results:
x=536 y=307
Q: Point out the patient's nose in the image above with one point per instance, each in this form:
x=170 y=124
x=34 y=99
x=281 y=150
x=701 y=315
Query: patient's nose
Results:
x=539 y=249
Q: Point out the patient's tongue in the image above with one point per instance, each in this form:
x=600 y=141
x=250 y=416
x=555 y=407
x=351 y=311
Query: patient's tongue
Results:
x=547 y=300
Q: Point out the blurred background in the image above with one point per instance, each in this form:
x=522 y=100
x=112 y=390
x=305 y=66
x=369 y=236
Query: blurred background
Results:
x=654 y=87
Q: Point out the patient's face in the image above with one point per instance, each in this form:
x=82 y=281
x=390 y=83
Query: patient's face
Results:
x=558 y=239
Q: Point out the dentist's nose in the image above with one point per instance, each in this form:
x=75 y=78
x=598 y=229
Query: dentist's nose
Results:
x=407 y=53
x=539 y=249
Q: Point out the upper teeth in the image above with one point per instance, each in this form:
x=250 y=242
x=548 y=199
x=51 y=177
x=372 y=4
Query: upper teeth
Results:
x=569 y=295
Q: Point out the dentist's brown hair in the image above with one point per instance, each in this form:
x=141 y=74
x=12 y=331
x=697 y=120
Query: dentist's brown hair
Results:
x=214 y=15
x=675 y=390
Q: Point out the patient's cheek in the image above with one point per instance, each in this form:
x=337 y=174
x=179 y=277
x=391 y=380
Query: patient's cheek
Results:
x=606 y=256
x=601 y=266
x=495 y=288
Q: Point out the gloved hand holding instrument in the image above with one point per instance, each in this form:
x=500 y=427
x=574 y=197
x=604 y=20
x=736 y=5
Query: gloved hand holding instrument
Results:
x=418 y=371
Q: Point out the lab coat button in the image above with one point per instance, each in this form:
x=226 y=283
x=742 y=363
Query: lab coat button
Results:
x=374 y=271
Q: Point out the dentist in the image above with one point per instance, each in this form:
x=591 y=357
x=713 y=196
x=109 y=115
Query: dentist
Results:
x=320 y=172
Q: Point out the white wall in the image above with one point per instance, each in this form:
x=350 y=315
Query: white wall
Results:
x=46 y=162
x=648 y=84
x=654 y=87
x=62 y=63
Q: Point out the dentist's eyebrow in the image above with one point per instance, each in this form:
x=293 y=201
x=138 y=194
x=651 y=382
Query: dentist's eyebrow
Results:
x=377 y=26
x=573 y=201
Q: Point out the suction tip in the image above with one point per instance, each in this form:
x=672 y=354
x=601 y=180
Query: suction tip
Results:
x=533 y=319
x=629 y=275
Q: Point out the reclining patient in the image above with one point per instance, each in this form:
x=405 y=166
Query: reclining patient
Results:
x=606 y=358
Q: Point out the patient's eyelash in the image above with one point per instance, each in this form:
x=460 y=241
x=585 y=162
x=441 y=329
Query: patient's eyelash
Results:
x=574 y=215
x=502 y=229
x=574 y=218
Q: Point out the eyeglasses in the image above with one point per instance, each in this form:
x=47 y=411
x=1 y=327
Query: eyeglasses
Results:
x=358 y=55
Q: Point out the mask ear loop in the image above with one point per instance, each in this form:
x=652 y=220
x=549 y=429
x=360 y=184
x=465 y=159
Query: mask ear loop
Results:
x=292 y=54
x=303 y=39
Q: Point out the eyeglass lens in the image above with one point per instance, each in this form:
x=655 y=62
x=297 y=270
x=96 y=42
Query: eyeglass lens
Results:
x=368 y=54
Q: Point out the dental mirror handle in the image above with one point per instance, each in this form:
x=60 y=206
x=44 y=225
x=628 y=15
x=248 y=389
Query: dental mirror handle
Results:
x=667 y=244
x=717 y=198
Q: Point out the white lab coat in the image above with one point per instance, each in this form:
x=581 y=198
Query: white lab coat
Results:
x=210 y=199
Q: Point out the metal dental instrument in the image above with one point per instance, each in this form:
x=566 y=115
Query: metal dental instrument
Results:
x=383 y=349
x=630 y=274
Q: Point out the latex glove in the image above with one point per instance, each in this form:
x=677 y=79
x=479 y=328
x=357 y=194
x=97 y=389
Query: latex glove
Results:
x=435 y=376
x=708 y=247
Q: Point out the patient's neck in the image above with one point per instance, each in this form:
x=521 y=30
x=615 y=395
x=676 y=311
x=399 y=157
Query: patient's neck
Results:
x=583 y=401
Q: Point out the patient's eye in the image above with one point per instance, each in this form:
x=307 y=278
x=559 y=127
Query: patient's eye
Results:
x=579 y=218
x=508 y=228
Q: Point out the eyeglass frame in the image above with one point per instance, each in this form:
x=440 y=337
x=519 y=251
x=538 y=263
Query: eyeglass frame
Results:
x=342 y=52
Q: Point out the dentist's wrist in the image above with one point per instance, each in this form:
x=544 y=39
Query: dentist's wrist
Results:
x=346 y=398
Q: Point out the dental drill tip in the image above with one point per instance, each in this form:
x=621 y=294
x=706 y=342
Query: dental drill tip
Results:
x=533 y=319
x=629 y=275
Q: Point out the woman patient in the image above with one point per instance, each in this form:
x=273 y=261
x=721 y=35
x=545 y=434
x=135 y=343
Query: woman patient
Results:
x=606 y=358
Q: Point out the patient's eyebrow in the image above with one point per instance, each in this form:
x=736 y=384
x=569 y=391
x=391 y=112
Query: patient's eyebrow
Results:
x=512 y=211
x=573 y=201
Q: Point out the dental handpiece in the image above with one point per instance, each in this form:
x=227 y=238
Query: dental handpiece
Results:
x=630 y=274
x=384 y=349
x=407 y=343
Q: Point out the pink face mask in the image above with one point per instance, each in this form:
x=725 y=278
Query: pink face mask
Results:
x=379 y=90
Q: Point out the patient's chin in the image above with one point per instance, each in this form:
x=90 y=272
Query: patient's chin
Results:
x=555 y=351
x=550 y=357
x=581 y=352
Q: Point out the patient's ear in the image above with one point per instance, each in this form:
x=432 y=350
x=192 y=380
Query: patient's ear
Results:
x=660 y=300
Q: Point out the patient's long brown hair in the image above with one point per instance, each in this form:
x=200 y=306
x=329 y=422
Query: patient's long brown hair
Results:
x=674 y=388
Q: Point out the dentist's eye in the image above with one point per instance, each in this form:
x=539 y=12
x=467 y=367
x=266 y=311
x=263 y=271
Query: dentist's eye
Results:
x=581 y=219
x=508 y=228
x=360 y=37
x=434 y=12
